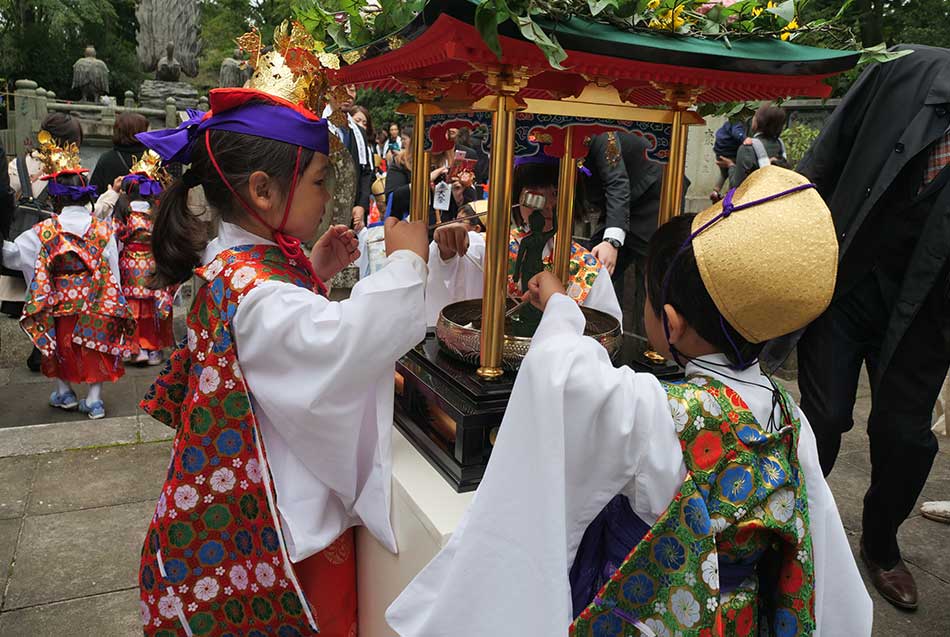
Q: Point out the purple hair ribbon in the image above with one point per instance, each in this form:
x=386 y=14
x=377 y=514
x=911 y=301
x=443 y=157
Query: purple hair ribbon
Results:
x=56 y=189
x=270 y=121
x=147 y=187
x=728 y=207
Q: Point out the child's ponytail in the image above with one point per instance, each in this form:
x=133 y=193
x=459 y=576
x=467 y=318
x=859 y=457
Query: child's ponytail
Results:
x=179 y=237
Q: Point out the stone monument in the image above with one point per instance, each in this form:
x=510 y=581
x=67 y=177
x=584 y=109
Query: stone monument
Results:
x=169 y=68
x=168 y=45
x=91 y=76
x=231 y=73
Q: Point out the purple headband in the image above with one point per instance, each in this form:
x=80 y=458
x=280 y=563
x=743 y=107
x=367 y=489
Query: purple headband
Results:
x=727 y=209
x=546 y=160
x=147 y=187
x=56 y=189
x=269 y=121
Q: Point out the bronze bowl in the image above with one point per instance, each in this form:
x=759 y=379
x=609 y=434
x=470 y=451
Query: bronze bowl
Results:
x=459 y=333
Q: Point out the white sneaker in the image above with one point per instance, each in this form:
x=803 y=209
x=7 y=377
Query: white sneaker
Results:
x=155 y=358
x=142 y=358
x=938 y=511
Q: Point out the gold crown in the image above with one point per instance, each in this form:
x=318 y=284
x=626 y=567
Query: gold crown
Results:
x=55 y=159
x=295 y=69
x=150 y=165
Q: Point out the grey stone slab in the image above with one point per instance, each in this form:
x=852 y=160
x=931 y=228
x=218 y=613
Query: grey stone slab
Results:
x=150 y=430
x=9 y=531
x=84 y=479
x=108 y=615
x=14 y=344
x=16 y=475
x=67 y=555
x=38 y=439
x=32 y=404
x=918 y=536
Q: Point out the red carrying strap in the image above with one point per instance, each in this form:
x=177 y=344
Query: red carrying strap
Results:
x=289 y=246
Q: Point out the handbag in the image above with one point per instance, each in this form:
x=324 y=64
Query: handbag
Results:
x=29 y=210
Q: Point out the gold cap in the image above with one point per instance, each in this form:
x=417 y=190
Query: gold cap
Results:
x=150 y=165
x=771 y=268
x=56 y=159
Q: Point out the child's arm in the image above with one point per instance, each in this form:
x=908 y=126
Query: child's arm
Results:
x=575 y=432
x=455 y=279
x=20 y=254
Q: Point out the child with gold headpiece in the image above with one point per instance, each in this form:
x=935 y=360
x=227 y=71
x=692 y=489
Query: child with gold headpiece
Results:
x=618 y=505
x=152 y=308
x=281 y=398
x=75 y=313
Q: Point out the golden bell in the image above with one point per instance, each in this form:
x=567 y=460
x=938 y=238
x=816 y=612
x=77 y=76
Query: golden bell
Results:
x=770 y=268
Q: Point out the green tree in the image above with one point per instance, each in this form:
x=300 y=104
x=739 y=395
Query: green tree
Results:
x=382 y=106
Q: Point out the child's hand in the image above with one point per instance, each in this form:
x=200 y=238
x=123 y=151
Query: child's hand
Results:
x=117 y=184
x=452 y=240
x=541 y=288
x=335 y=250
x=405 y=235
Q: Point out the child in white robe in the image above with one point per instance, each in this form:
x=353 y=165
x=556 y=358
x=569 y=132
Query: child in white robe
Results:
x=614 y=505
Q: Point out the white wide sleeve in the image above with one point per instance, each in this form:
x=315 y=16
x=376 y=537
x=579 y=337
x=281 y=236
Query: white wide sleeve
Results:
x=105 y=204
x=112 y=256
x=320 y=374
x=842 y=603
x=458 y=279
x=603 y=297
x=572 y=437
x=20 y=254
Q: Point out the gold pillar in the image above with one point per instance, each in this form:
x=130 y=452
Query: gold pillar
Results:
x=496 y=239
x=565 y=209
x=671 y=192
x=419 y=189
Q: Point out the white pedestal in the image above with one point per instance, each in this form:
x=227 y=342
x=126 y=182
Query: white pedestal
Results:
x=425 y=512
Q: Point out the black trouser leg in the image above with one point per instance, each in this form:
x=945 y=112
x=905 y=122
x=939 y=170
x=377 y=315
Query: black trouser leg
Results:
x=830 y=355
x=903 y=446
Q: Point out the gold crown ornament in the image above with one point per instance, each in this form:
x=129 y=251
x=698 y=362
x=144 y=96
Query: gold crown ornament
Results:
x=150 y=165
x=769 y=268
x=56 y=159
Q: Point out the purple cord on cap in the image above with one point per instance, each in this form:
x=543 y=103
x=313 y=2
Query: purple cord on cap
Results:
x=727 y=209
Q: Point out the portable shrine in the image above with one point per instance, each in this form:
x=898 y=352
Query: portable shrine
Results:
x=450 y=408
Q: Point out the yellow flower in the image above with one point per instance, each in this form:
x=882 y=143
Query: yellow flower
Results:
x=757 y=11
x=653 y=4
x=789 y=28
x=667 y=20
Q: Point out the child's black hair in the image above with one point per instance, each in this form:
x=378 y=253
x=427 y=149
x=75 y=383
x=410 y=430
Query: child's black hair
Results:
x=687 y=293
x=179 y=237
x=71 y=179
x=540 y=175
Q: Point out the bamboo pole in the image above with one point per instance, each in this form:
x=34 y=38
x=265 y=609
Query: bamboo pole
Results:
x=671 y=191
x=565 y=209
x=419 y=190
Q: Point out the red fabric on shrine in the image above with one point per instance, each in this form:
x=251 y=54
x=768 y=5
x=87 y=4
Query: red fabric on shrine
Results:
x=328 y=581
x=151 y=332
x=74 y=363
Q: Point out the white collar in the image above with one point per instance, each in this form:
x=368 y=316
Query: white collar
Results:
x=717 y=366
x=140 y=206
x=74 y=211
x=231 y=236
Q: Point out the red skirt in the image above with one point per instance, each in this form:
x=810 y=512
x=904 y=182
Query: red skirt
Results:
x=151 y=333
x=73 y=363
x=328 y=580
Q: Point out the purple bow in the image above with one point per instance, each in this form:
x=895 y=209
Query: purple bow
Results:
x=147 y=187
x=270 y=121
x=75 y=193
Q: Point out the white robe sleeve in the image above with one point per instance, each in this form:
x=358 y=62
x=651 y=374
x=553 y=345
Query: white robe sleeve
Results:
x=20 y=254
x=603 y=297
x=320 y=374
x=575 y=432
x=105 y=204
x=112 y=256
x=842 y=604
x=458 y=279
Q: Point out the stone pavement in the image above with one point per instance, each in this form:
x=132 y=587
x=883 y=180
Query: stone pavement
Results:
x=76 y=497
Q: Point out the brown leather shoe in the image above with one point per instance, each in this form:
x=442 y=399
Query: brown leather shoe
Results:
x=896 y=585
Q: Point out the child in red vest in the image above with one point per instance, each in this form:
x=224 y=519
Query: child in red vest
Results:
x=282 y=399
x=75 y=313
x=152 y=308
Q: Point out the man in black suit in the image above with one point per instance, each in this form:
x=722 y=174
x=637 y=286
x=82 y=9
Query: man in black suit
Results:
x=881 y=164
x=352 y=137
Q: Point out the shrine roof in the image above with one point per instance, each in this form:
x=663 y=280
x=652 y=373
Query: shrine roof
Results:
x=442 y=43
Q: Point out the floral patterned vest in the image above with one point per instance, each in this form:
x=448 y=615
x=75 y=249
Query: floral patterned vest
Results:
x=582 y=270
x=214 y=560
x=72 y=278
x=136 y=263
x=743 y=503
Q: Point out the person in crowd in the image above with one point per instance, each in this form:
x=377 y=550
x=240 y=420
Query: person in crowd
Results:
x=282 y=399
x=881 y=163
x=689 y=508
x=456 y=254
x=364 y=120
x=74 y=312
x=394 y=141
x=469 y=140
x=624 y=185
x=474 y=216
x=354 y=140
x=764 y=148
x=729 y=138
x=399 y=180
x=380 y=150
x=126 y=150
x=151 y=307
